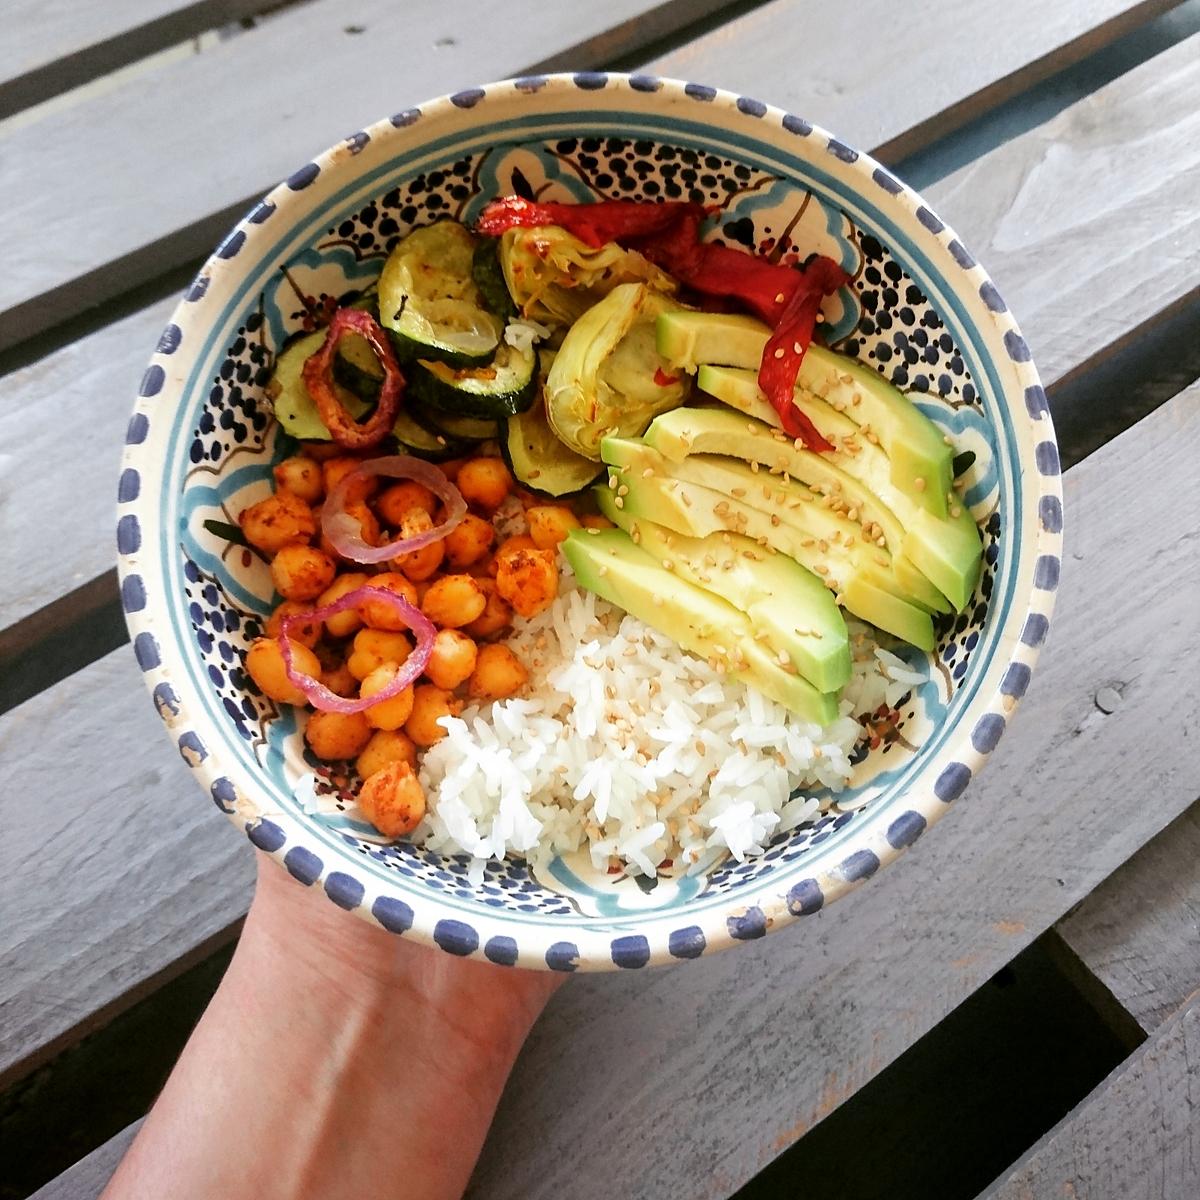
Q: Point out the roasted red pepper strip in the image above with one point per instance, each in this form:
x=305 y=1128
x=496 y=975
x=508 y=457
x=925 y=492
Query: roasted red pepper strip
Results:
x=595 y=224
x=318 y=378
x=785 y=349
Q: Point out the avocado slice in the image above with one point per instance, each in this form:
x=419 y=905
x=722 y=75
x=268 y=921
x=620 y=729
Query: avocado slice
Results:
x=804 y=530
x=607 y=562
x=920 y=459
x=791 y=610
x=946 y=550
x=687 y=431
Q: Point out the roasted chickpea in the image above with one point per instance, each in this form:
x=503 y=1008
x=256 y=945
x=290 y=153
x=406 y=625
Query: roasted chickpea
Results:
x=498 y=673
x=453 y=601
x=320 y=451
x=451 y=467
x=469 y=541
x=278 y=521
x=528 y=580
x=393 y=503
x=385 y=746
x=343 y=624
x=381 y=615
x=301 y=572
x=392 y=799
x=518 y=541
x=264 y=664
x=374 y=647
x=596 y=521
x=430 y=703
x=497 y=615
x=308 y=633
x=339 y=680
x=549 y=524
x=301 y=476
x=392 y=712
x=451 y=660
x=334 y=736
x=334 y=470
x=422 y=563
x=484 y=482
x=368 y=523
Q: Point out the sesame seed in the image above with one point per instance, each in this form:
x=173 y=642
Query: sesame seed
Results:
x=623 y=490
x=700 y=749
x=823 y=546
x=821 y=569
x=751 y=426
x=779 y=298
x=766 y=492
x=648 y=473
x=754 y=467
x=687 y=500
x=782 y=658
x=779 y=352
x=738 y=492
x=789 y=668
x=872 y=439
x=955 y=511
x=947 y=439
x=797 y=348
x=775 y=519
x=857 y=399
x=613 y=481
x=808 y=543
x=602 y=570
x=636 y=536
x=919 y=483
x=881 y=541
x=668 y=564
x=852 y=513
x=619 y=502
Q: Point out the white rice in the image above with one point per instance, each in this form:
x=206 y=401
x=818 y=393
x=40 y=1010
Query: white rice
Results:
x=635 y=750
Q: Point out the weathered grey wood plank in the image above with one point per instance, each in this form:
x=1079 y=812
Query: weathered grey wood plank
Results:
x=1139 y=932
x=202 y=160
x=777 y=1034
x=1157 y=200
x=202 y=175
x=114 y=875
x=90 y=1175
x=1136 y=1137
x=51 y=46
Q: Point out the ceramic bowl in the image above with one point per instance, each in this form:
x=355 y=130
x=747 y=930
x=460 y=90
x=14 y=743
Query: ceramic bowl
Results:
x=201 y=442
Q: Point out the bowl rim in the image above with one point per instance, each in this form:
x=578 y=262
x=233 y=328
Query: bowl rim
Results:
x=655 y=936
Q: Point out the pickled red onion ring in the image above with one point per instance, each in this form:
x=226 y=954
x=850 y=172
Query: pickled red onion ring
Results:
x=318 y=378
x=344 y=530
x=317 y=694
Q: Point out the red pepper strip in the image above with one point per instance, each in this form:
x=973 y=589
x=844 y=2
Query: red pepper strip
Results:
x=785 y=348
x=318 y=378
x=596 y=224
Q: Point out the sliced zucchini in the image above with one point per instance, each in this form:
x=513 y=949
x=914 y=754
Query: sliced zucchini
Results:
x=430 y=303
x=507 y=385
x=539 y=460
x=414 y=438
x=463 y=429
x=489 y=278
x=295 y=409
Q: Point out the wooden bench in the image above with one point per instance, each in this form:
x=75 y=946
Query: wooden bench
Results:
x=1090 y=224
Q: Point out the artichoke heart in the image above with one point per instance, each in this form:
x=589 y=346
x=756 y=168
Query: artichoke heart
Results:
x=608 y=377
x=555 y=278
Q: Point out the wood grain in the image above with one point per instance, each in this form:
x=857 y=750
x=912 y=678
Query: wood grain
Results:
x=89 y=1176
x=1136 y=1137
x=95 y=377
x=777 y=1034
x=51 y=46
x=206 y=135
x=115 y=873
x=203 y=176
x=1139 y=932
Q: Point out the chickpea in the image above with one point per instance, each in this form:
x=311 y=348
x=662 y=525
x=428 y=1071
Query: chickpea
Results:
x=301 y=572
x=453 y=601
x=395 y=710
x=378 y=613
x=495 y=617
x=469 y=541
x=374 y=647
x=451 y=660
x=400 y=497
x=430 y=703
x=549 y=524
x=485 y=482
x=334 y=470
x=264 y=664
x=334 y=736
x=320 y=451
x=386 y=746
x=596 y=521
x=528 y=580
x=278 y=521
x=498 y=673
x=422 y=563
x=301 y=476
x=339 y=679
x=451 y=468
x=343 y=624
x=393 y=800
x=307 y=633
x=368 y=523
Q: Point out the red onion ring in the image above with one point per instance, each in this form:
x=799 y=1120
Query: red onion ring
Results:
x=317 y=694
x=318 y=378
x=344 y=531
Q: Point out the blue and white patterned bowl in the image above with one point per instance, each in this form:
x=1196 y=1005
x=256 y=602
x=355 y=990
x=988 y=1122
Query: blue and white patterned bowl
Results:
x=200 y=445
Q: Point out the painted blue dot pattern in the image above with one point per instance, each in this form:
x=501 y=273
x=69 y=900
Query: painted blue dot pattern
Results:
x=303 y=864
x=456 y=937
x=562 y=956
x=951 y=782
x=805 y=897
x=862 y=864
x=686 y=943
x=266 y=835
x=344 y=890
x=394 y=915
x=631 y=951
x=743 y=927
x=1046 y=456
x=300 y=179
x=152 y=381
x=752 y=108
x=987 y=732
x=905 y=829
x=145 y=650
x=501 y=950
